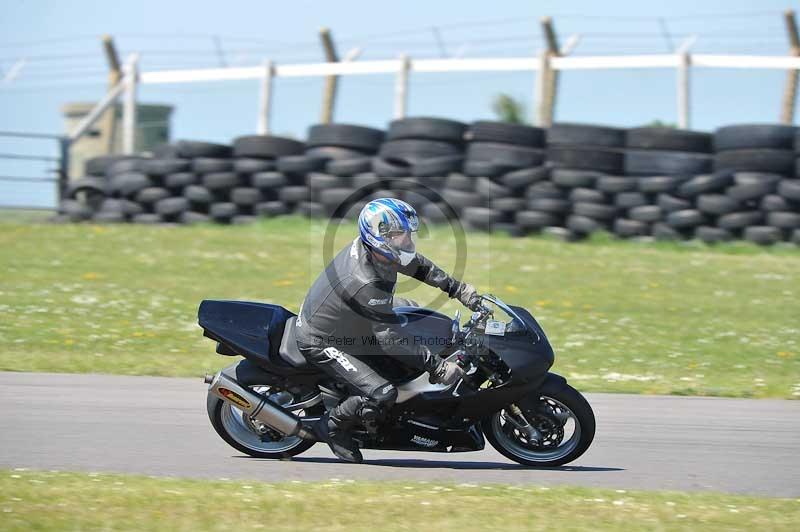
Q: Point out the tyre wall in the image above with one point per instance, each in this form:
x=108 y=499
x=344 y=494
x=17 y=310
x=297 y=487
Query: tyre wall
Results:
x=740 y=182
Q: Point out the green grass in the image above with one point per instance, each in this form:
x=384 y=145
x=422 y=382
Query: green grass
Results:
x=25 y=215
x=622 y=316
x=31 y=500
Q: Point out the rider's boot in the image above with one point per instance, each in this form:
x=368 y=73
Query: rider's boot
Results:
x=336 y=433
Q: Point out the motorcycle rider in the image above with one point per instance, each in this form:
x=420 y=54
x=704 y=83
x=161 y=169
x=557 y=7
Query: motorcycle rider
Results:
x=352 y=300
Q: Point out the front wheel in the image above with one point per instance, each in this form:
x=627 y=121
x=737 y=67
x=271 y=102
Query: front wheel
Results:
x=547 y=430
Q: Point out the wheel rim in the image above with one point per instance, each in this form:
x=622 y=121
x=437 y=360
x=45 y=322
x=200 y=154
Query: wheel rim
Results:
x=560 y=439
x=253 y=434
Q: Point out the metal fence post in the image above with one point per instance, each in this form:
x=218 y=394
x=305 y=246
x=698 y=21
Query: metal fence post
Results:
x=131 y=81
x=683 y=90
x=265 y=99
x=401 y=88
x=63 y=167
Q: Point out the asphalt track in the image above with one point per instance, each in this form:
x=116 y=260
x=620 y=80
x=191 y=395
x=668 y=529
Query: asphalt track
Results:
x=158 y=426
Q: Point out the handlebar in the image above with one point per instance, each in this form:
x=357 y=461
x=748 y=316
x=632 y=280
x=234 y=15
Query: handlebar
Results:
x=479 y=315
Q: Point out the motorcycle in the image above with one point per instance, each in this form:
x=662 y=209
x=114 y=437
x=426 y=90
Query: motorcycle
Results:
x=265 y=404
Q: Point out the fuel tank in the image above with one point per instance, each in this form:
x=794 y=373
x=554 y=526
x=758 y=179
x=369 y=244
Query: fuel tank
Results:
x=421 y=326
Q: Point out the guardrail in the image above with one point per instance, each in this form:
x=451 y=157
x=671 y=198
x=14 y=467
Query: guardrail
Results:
x=60 y=170
x=402 y=67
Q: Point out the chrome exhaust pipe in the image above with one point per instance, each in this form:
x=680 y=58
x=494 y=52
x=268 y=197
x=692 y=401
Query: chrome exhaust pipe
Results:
x=257 y=407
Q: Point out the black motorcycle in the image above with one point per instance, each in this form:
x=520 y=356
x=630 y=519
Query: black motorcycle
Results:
x=264 y=405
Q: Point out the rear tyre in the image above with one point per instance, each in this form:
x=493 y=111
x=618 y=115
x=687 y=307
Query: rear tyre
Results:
x=564 y=419
x=253 y=438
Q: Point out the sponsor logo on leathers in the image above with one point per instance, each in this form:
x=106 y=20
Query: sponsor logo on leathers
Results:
x=334 y=354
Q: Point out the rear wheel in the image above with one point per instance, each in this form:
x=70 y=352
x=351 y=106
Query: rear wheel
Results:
x=545 y=431
x=252 y=437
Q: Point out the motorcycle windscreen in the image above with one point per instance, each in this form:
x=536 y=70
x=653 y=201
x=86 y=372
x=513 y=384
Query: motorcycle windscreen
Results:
x=527 y=353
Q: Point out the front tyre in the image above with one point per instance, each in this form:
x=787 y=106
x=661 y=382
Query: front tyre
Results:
x=548 y=430
x=250 y=436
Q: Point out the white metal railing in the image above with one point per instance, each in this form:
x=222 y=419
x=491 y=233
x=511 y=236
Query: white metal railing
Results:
x=682 y=62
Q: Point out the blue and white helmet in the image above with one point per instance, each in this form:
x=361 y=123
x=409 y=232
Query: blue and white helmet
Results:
x=388 y=227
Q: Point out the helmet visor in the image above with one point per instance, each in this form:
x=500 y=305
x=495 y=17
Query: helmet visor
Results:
x=404 y=241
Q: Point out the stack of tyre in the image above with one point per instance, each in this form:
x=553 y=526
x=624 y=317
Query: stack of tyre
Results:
x=344 y=173
x=502 y=160
x=754 y=193
x=189 y=182
x=658 y=162
x=159 y=185
x=570 y=180
x=414 y=162
x=579 y=157
x=185 y=182
x=88 y=197
x=247 y=186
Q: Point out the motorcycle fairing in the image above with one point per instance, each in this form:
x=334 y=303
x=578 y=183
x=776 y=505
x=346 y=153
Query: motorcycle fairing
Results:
x=422 y=435
x=527 y=353
x=252 y=330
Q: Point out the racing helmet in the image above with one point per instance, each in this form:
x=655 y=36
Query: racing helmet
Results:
x=388 y=227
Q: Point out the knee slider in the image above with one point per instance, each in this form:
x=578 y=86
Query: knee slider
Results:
x=384 y=396
x=379 y=402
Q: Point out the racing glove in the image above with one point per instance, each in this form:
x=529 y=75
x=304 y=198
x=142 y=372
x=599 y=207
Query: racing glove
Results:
x=447 y=373
x=469 y=297
x=441 y=371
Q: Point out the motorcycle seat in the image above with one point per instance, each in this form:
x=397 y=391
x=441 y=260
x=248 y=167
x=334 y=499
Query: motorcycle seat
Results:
x=288 y=350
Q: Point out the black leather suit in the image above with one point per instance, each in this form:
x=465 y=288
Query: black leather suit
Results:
x=348 y=312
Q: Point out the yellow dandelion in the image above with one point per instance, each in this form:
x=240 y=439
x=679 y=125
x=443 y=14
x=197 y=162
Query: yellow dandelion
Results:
x=511 y=288
x=69 y=341
x=785 y=354
x=91 y=276
x=283 y=282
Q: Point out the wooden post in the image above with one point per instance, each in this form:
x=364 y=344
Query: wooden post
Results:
x=129 y=105
x=114 y=66
x=542 y=80
x=551 y=81
x=401 y=88
x=265 y=99
x=683 y=90
x=109 y=123
x=790 y=92
x=329 y=94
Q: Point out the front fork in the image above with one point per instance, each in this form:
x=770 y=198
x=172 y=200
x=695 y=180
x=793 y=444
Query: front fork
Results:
x=517 y=418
